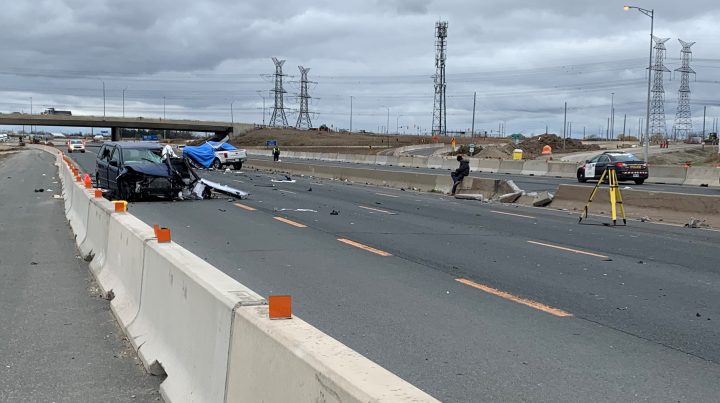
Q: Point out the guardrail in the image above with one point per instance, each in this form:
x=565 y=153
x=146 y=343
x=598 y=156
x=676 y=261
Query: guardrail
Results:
x=664 y=174
x=208 y=333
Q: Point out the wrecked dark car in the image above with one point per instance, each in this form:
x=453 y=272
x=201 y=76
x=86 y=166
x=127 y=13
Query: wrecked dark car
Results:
x=136 y=171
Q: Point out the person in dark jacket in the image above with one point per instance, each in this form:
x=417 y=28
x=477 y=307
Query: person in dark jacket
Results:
x=276 y=153
x=460 y=173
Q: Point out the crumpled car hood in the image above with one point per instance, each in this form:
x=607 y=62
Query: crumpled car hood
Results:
x=150 y=169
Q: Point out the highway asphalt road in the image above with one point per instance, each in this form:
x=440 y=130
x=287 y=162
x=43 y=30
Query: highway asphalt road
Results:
x=473 y=301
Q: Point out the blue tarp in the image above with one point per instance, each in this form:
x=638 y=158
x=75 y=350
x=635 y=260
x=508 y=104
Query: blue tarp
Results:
x=204 y=154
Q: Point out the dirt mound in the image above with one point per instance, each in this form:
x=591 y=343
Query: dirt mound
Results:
x=532 y=146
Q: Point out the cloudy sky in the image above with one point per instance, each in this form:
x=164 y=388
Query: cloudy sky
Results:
x=524 y=58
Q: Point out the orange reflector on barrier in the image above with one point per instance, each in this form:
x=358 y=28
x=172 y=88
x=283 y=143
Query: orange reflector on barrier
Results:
x=120 y=206
x=98 y=193
x=280 y=306
x=162 y=234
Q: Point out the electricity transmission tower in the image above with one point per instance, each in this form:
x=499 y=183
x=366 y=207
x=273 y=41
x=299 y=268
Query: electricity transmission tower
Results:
x=683 y=121
x=278 y=118
x=657 y=105
x=439 y=125
x=304 y=116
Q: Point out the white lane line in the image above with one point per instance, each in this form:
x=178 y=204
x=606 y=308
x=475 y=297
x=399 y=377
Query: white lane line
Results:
x=512 y=214
x=386 y=195
x=378 y=210
x=238 y=181
x=582 y=252
x=286 y=191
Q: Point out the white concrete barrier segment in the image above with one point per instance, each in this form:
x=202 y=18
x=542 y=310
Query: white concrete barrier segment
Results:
x=291 y=361
x=667 y=174
x=78 y=214
x=94 y=246
x=184 y=323
x=535 y=168
x=703 y=176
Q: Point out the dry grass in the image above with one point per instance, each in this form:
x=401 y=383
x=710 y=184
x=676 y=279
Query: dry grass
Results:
x=696 y=157
x=288 y=138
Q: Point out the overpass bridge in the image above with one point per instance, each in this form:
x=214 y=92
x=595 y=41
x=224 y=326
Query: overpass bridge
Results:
x=117 y=123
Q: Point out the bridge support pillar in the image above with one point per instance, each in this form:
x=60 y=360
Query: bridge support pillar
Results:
x=115 y=133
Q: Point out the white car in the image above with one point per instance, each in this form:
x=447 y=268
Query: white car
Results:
x=75 y=145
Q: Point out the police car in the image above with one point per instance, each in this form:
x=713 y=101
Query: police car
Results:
x=627 y=166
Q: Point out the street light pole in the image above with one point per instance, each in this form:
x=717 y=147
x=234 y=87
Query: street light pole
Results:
x=103 y=99
x=263 y=98
x=651 y=14
x=351 y=105
x=232 y=116
x=612 y=115
x=124 y=89
x=387 y=125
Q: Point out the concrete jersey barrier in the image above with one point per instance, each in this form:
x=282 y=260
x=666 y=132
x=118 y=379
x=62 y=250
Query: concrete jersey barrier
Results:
x=703 y=176
x=673 y=175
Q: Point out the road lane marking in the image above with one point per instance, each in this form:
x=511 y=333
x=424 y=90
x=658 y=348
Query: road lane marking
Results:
x=582 y=252
x=378 y=210
x=512 y=214
x=506 y=295
x=291 y=222
x=242 y=206
x=286 y=191
x=364 y=247
x=386 y=195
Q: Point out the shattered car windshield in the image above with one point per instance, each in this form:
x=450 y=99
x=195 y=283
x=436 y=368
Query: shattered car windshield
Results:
x=143 y=155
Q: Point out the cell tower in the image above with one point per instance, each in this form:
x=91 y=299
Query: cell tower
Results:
x=304 y=116
x=683 y=122
x=657 y=104
x=278 y=118
x=439 y=125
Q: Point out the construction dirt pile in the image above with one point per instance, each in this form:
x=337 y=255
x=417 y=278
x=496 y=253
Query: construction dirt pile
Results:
x=532 y=146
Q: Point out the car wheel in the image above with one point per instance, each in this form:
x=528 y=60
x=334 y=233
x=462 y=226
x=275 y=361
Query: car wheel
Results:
x=82 y=151
x=581 y=176
x=216 y=164
x=238 y=166
x=639 y=181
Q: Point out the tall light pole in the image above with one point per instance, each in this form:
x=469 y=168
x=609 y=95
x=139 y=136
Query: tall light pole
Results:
x=163 y=108
x=351 y=99
x=103 y=99
x=612 y=115
x=387 y=125
x=263 y=98
x=232 y=116
x=124 y=89
x=31 y=112
x=651 y=14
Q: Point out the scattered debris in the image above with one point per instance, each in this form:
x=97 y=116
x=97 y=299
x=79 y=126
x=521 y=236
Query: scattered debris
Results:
x=645 y=219
x=465 y=196
x=695 y=223
x=697 y=314
x=334 y=212
x=509 y=197
x=309 y=190
x=543 y=199
x=35 y=263
x=39 y=190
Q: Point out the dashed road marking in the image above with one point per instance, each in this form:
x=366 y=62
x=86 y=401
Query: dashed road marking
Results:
x=364 y=247
x=520 y=300
x=244 y=207
x=378 y=210
x=582 y=252
x=386 y=195
x=290 y=222
x=512 y=214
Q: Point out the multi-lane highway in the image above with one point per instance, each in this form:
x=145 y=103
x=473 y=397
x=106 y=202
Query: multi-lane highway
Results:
x=472 y=301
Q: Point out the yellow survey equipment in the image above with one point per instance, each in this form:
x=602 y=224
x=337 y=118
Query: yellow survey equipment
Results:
x=615 y=196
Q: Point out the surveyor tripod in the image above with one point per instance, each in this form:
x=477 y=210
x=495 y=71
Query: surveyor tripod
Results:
x=615 y=196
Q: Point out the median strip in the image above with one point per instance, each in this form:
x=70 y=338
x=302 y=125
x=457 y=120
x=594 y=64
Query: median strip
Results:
x=512 y=214
x=582 y=252
x=506 y=295
x=290 y=222
x=244 y=207
x=364 y=247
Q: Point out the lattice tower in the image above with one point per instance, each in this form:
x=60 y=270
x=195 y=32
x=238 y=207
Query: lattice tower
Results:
x=683 y=119
x=278 y=118
x=657 y=103
x=304 y=116
x=439 y=125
